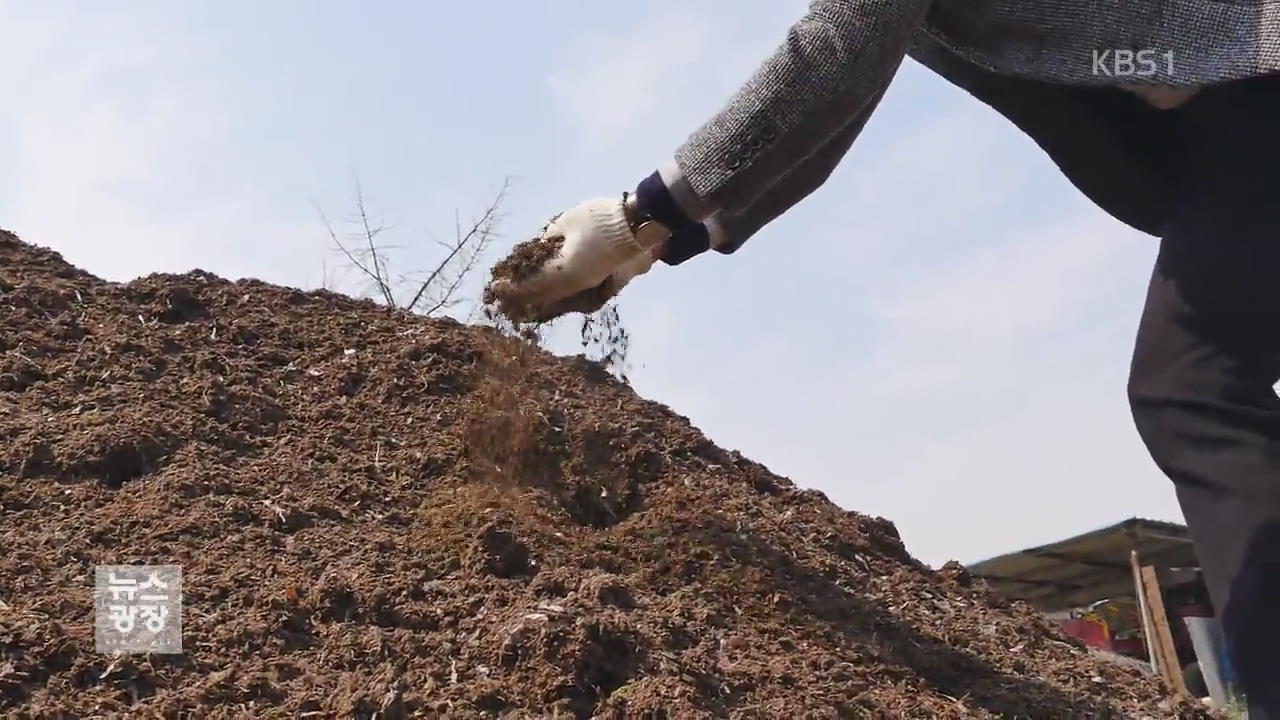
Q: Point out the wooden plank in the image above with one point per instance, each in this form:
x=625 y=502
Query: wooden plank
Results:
x=1141 y=594
x=1163 y=636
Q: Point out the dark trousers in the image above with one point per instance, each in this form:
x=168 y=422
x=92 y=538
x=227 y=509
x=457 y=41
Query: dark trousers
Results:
x=1208 y=357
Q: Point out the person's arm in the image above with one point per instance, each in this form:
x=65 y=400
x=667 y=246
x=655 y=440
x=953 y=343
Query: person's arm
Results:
x=725 y=232
x=832 y=66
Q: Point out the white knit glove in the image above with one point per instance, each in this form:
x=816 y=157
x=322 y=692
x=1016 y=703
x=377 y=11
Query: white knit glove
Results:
x=598 y=256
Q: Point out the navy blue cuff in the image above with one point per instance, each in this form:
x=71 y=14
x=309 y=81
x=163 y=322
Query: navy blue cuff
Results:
x=692 y=239
x=655 y=200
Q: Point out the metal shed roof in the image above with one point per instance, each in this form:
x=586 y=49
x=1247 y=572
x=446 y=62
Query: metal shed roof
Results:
x=1079 y=570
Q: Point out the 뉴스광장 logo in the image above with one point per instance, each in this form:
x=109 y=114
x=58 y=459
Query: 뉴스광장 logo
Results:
x=137 y=608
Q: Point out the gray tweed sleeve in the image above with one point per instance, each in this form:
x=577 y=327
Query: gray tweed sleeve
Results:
x=736 y=227
x=832 y=65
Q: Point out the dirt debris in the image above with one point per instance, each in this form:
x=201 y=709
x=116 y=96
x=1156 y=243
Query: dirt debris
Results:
x=382 y=514
x=603 y=335
x=526 y=259
x=606 y=339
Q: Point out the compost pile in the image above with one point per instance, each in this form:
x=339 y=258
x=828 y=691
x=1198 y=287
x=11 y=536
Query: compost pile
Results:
x=378 y=513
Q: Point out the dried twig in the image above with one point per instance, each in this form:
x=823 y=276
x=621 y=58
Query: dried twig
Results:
x=352 y=257
x=367 y=254
x=466 y=248
x=370 y=233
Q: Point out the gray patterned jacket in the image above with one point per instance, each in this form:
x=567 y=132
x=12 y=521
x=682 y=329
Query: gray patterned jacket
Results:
x=1047 y=65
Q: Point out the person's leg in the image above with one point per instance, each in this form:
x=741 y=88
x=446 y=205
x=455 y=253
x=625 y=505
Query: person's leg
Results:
x=1207 y=358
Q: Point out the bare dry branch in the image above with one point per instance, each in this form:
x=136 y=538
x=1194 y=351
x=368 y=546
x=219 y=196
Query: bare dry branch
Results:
x=379 y=264
x=352 y=258
x=366 y=253
x=467 y=247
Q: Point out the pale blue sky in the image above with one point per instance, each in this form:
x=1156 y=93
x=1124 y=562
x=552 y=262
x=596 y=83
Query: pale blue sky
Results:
x=939 y=335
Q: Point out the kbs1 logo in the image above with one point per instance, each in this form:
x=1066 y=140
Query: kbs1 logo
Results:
x=1132 y=63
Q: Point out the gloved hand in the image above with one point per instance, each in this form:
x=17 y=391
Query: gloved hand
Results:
x=598 y=255
x=592 y=299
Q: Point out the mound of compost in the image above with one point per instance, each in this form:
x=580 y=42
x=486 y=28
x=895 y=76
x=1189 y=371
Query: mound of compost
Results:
x=377 y=513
